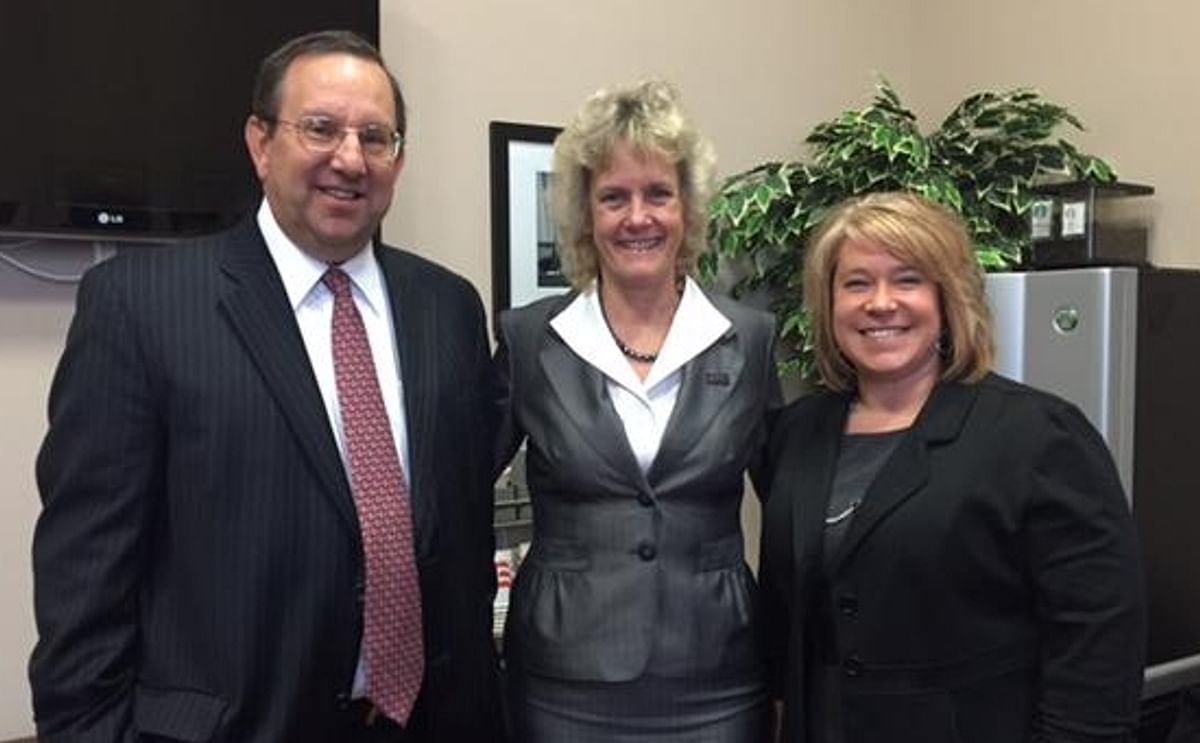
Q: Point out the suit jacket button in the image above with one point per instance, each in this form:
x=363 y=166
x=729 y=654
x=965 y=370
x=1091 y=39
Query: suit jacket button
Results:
x=343 y=701
x=645 y=499
x=646 y=551
x=848 y=605
x=853 y=666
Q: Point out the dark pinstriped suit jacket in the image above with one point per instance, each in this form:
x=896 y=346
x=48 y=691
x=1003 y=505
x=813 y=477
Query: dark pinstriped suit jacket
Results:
x=197 y=562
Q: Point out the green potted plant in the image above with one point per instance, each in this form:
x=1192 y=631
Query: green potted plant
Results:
x=983 y=161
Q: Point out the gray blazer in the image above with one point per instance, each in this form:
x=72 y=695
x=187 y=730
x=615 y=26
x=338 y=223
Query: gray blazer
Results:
x=633 y=573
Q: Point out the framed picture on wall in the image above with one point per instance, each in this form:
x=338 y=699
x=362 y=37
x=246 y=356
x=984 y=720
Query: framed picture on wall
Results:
x=525 y=264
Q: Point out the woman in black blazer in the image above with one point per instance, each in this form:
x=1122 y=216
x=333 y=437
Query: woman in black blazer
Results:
x=642 y=400
x=947 y=555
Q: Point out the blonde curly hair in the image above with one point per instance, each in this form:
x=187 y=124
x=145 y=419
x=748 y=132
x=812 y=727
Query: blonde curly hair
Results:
x=647 y=116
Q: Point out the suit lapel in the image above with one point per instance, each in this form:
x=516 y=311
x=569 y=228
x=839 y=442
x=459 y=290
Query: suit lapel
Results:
x=814 y=461
x=908 y=469
x=583 y=396
x=256 y=306
x=414 y=315
x=708 y=382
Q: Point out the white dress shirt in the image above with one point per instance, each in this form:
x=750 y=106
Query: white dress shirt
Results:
x=312 y=302
x=644 y=406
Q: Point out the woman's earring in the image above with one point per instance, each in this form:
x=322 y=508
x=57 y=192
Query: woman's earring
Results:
x=942 y=347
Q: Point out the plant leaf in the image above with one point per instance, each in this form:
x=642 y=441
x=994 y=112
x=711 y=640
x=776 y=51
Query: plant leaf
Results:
x=983 y=162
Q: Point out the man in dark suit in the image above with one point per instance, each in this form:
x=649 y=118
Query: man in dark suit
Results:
x=206 y=563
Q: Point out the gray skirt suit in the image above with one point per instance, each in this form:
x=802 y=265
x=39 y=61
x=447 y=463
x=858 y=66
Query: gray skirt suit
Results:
x=634 y=616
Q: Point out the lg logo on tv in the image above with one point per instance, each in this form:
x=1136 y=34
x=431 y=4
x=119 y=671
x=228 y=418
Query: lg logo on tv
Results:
x=107 y=218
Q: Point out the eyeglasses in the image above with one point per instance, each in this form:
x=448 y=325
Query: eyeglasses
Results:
x=321 y=134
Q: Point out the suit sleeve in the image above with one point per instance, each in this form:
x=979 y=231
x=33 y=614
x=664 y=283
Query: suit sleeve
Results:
x=97 y=471
x=774 y=402
x=782 y=591
x=1089 y=595
x=776 y=622
x=508 y=435
x=489 y=727
x=776 y=561
x=486 y=380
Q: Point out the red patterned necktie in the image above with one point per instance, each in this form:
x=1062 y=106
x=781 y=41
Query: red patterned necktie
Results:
x=392 y=638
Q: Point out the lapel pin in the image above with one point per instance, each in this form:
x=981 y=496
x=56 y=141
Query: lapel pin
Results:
x=718 y=378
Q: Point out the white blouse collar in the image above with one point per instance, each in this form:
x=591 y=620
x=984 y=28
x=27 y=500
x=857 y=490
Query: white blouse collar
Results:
x=696 y=326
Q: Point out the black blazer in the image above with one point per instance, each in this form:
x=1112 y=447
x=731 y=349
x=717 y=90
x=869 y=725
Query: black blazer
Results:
x=197 y=562
x=633 y=573
x=988 y=589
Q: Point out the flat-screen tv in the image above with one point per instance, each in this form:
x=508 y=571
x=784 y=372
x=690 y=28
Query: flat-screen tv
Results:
x=123 y=120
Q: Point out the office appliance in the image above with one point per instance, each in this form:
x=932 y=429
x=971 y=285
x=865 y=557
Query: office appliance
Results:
x=1123 y=344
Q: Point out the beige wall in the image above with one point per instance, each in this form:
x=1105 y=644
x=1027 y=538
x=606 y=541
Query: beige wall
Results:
x=1130 y=71
x=757 y=75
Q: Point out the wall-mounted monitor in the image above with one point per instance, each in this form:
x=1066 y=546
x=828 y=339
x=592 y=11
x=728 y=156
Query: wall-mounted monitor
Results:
x=123 y=121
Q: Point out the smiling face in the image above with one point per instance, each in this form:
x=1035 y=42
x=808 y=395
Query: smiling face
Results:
x=886 y=317
x=637 y=219
x=330 y=203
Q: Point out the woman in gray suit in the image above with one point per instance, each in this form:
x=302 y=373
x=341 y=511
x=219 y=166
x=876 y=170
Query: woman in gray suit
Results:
x=641 y=399
x=947 y=554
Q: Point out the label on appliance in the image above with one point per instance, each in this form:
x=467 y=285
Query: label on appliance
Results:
x=1074 y=218
x=1041 y=218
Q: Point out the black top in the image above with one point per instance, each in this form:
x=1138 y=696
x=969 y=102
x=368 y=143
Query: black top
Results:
x=861 y=457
